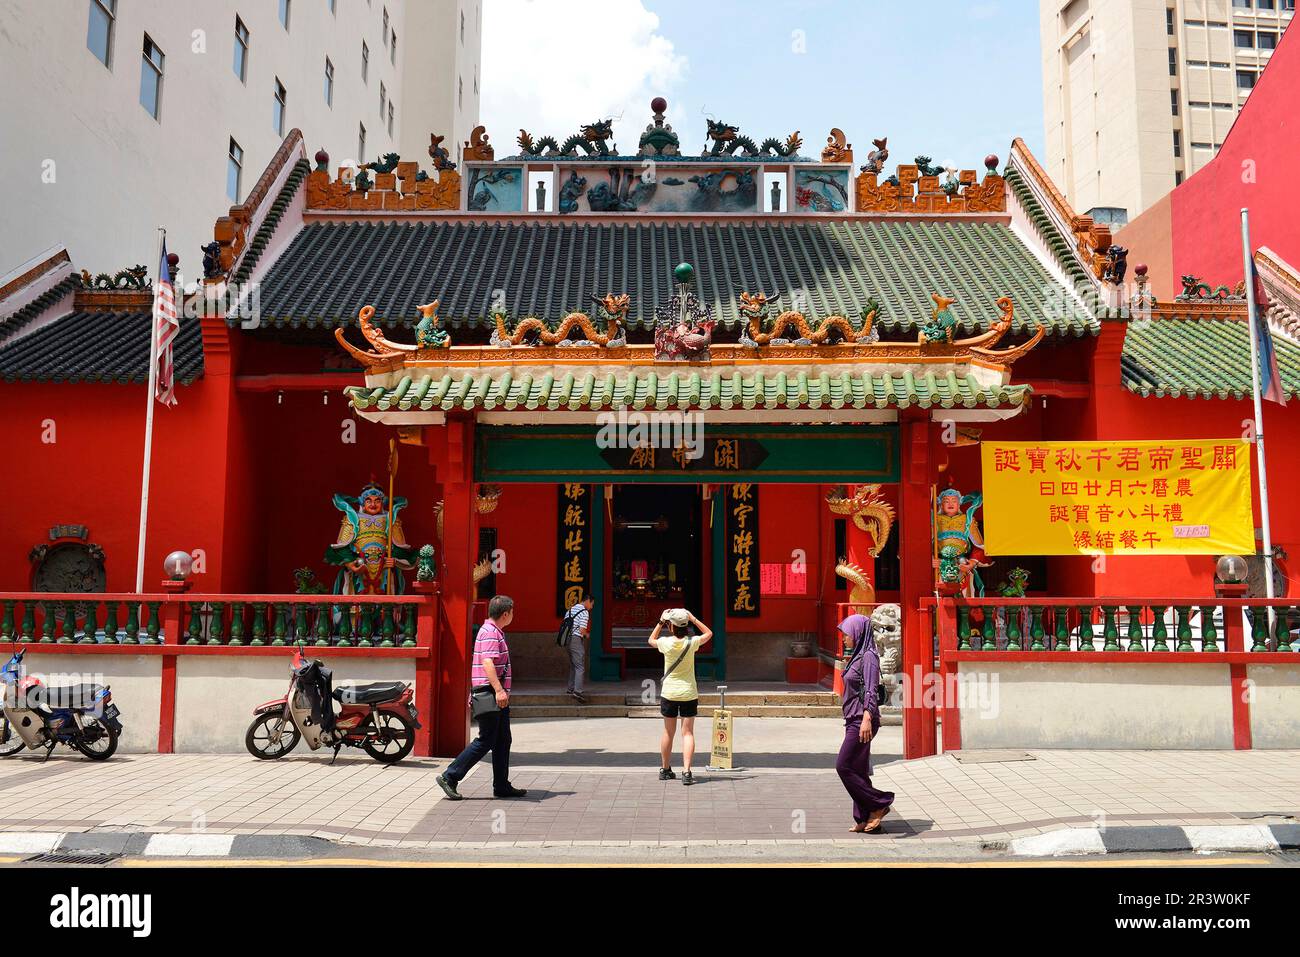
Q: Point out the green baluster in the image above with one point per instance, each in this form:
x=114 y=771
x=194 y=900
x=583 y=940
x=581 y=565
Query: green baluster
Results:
x=7 y=623
x=1061 y=618
x=154 y=625
x=47 y=623
x=281 y=625
x=1135 y=628
x=1283 y=630
x=89 y=626
x=389 y=628
x=132 y=627
x=1036 y=628
x=348 y=626
x=236 y=623
x=216 y=635
x=69 y=623
x=1087 y=640
x=367 y=627
x=1159 y=631
x=259 y=623
x=1013 y=627
x=1259 y=629
x=300 y=630
x=195 y=630
x=29 y=620
x=989 y=628
x=963 y=628
x=110 y=622
x=408 y=625
x=1110 y=629
x=1209 y=635
x=322 y=624
x=1184 y=613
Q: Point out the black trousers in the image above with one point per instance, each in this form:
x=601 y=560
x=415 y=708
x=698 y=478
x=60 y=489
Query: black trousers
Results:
x=494 y=736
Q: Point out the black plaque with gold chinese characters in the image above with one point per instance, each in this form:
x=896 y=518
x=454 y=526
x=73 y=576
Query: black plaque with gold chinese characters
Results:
x=573 y=534
x=742 y=551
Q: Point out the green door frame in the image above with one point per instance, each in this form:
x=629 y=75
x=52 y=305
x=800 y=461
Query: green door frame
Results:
x=602 y=665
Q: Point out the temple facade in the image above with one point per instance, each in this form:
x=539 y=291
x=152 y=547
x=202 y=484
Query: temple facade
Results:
x=725 y=373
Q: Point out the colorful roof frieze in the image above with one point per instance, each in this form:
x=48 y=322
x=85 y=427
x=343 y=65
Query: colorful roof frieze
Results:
x=549 y=269
x=580 y=389
x=921 y=188
x=98 y=346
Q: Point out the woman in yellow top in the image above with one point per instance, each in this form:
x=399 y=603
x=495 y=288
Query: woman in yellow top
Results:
x=678 y=696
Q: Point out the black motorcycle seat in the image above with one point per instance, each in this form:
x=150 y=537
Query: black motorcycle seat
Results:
x=67 y=696
x=374 y=693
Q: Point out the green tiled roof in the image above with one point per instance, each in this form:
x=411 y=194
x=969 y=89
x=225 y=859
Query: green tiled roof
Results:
x=1206 y=358
x=681 y=390
x=548 y=269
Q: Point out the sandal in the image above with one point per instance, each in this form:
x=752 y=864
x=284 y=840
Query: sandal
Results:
x=874 y=826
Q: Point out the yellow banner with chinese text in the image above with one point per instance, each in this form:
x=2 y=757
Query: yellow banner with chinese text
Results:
x=1184 y=497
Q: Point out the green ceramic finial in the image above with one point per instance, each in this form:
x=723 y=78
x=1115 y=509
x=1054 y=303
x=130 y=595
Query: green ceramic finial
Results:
x=684 y=273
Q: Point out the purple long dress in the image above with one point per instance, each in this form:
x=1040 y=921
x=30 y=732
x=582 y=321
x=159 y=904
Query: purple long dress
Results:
x=860 y=680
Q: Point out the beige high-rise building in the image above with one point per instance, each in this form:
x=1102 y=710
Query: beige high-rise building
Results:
x=1139 y=94
x=118 y=116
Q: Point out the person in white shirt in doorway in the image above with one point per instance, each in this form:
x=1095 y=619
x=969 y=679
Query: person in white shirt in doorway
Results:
x=580 y=612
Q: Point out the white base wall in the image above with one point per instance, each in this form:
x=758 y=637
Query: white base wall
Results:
x=1275 y=706
x=216 y=694
x=135 y=680
x=1014 y=704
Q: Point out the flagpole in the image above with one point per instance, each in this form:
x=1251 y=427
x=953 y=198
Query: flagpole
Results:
x=148 y=418
x=1249 y=264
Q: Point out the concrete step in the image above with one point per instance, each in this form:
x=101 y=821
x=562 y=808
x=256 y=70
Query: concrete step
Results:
x=652 y=711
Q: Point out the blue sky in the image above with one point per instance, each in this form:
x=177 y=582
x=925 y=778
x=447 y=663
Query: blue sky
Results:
x=949 y=79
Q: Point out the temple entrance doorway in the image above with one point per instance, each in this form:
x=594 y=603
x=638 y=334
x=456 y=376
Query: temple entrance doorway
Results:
x=656 y=561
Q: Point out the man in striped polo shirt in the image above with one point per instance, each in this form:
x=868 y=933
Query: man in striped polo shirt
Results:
x=581 y=615
x=491 y=666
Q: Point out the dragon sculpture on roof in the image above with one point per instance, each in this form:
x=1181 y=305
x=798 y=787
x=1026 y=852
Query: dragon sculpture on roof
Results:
x=532 y=330
x=591 y=139
x=727 y=140
x=755 y=309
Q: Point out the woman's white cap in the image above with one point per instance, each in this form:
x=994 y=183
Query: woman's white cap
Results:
x=678 y=617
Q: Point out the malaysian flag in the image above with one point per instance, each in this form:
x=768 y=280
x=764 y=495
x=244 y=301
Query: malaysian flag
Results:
x=1270 y=379
x=165 y=327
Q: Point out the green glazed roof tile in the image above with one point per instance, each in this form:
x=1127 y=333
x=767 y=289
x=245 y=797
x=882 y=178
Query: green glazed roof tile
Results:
x=1199 y=358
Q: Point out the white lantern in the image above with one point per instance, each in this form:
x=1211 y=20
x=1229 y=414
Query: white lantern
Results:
x=177 y=566
x=1231 y=569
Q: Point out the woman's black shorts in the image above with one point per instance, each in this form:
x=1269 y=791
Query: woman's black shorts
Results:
x=678 y=709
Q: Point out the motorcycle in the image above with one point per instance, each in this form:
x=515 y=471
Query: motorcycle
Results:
x=81 y=716
x=380 y=718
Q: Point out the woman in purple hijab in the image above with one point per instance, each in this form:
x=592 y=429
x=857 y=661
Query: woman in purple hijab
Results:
x=861 y=722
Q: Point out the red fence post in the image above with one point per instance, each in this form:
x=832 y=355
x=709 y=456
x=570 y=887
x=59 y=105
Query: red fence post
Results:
x=928 y=711
x=426 y=620
x=171 y=635
x=947 y=617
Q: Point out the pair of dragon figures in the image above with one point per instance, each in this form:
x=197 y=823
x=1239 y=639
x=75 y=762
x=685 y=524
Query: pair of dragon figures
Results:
x=723 y=139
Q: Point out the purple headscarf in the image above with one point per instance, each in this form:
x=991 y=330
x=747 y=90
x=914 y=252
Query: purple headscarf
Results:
x=858 y=630
x=860 y=687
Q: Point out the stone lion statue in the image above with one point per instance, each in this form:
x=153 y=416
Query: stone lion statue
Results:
x=887 y=625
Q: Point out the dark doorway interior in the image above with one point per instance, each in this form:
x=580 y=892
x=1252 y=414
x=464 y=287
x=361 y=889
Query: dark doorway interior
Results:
x=657 y=551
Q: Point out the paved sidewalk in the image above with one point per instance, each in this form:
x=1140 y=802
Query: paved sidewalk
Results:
x=592 y=784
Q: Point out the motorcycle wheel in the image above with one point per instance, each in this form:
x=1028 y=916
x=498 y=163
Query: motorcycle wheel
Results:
x=395 y=740
x=98 y=741
x=259 y=739
x=11 y=741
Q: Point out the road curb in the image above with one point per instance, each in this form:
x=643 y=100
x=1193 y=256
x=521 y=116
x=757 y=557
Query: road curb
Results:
x=163 y=845
x=1200 y=839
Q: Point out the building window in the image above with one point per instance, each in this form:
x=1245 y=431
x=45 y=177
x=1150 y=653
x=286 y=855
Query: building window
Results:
x=277 y=112
x=151 y=74
x=99 y=31
x=1243 y=39
x=241 y=50
x=1265 y=4
x=1241 y=4
x=1178 y=177
x=365 y=62
x=390 y=117
x=234 y=170
x=1173 y=102
x=1178 y=143
x=329 y=82
x=476 y=79
x=1169 y=21
x=385 y=36
x=334 y=7
x=361 y=144
x=1246 y=79
x=1173 y=61
x=392 y=48
x=284 y=13
x=383 y=100
x=462 y=28
x=460 y=92
x=1267 y=41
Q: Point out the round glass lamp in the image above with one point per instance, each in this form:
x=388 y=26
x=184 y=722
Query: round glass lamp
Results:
x=177 y=566
x=1231 y=569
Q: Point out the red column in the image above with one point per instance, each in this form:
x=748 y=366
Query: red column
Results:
x=426 y=673
x=170 y=620
x=1235 y=640
x=915 y=547
x=454 y=461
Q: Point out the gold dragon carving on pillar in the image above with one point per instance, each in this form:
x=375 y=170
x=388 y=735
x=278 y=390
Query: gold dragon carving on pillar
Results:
x=872 y=514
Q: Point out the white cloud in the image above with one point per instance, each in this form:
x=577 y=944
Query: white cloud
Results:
x=550 y=66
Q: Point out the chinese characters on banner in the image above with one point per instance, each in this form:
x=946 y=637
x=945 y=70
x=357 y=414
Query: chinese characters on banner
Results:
x=743 y=583
x=572 y=535
x=1187 y=497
